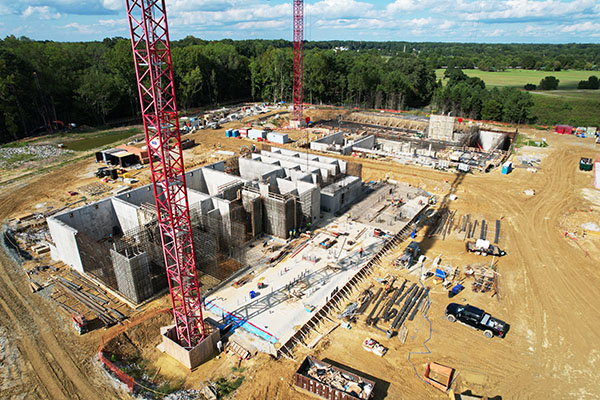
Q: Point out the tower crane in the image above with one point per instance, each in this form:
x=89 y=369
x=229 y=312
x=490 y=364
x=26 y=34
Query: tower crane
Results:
x=154 y=74
x=298 y=23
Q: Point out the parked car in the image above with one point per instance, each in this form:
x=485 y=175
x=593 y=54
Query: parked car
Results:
x=476 y=318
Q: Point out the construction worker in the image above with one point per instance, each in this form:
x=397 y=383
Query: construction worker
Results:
x=361 y=252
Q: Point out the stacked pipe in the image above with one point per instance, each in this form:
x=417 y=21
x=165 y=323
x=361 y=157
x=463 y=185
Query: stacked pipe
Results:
x=90 y=302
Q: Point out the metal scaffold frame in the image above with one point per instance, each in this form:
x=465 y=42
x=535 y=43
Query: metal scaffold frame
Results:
x=298 y=92
x=154 y=72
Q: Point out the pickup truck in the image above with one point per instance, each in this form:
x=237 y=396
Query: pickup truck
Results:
x=484 y=248
x=476 y=318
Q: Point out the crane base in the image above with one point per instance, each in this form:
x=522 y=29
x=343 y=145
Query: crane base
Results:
x=199 y=354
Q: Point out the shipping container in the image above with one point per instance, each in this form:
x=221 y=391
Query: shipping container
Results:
x=330 y=382
x=257 y=134
x=563 y=129
x=281 y=138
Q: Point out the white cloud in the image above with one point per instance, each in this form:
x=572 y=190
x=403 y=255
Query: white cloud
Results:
x=111 y=23
x=274 y=24
x=446 y=25
x=113 y=4
x=496 y=33
x=584 y=27
x=41 y=12
x=334 y=9
x=526 y=9
x=82 y=29
x=409 y=5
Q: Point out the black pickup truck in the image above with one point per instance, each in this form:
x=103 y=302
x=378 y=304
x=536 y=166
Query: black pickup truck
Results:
x=476 y=318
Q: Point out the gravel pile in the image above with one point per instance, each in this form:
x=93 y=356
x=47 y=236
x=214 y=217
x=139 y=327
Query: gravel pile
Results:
x=15 y=156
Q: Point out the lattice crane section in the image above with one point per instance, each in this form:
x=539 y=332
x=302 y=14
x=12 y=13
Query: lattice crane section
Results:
x=298 y=58
x=152 y=59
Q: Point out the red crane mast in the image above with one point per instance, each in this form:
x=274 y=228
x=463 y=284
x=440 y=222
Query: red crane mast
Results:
x=154 y=72
x=298 y=91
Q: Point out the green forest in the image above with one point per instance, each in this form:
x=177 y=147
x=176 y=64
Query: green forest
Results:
x=93 y=83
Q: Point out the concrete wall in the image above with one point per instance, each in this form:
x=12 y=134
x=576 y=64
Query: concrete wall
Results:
x=256 y=169
x=441 y=127
x=252 y=204
x=341 y=194
x=195 y=180
x=127 y=214
x=97 y=220
x=327 y=170
x=278 y=216
x=365 y=143
x=144 y=194
x=490 y=140
x=215 y=179
x=64 y=238
x=327 y=142
x=202 y=352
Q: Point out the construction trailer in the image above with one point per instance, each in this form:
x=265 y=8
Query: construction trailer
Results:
x=331 y=382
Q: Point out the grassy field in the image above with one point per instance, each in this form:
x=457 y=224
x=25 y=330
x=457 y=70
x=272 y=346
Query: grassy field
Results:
x=570 y=107
x=520 y=77
x=564 y=106
x=99 y=139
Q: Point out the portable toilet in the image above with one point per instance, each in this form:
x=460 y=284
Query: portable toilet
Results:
x=507 y=167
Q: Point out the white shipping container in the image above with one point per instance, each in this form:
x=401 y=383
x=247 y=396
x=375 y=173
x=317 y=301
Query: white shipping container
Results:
x=257 y=133
x=277 y=137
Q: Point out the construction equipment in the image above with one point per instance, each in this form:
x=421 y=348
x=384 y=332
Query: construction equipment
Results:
x=298 y=23
x=411 y=253
x=154 y=74
x=79 y=323
x=484 y=248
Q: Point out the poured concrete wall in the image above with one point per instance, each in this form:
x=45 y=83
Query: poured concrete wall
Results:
x=255 y=169
x=195 y=180
x=127 y=214
x=327 y=170
x=65 y=244
x=341 y=194
x=202 y=352
x=144 y=194
x=365 y=143
x=97 y=220
x=216 y=179
x=278 y=216
x=490 y=140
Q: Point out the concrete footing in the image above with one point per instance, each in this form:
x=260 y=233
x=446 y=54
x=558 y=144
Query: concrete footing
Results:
x=199 y=354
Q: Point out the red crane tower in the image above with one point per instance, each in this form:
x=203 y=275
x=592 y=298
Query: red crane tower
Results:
x=154 y=72
x=298 y=23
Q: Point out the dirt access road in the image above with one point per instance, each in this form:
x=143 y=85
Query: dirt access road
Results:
x=40 y=355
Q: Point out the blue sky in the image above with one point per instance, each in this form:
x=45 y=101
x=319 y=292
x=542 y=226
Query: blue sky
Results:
x=490 y=21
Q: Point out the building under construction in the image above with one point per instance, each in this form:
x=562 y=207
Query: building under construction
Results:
x=277 y=192
x=438 y=141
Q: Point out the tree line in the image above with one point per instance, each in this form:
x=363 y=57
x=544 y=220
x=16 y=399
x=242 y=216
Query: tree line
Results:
x=93 y=83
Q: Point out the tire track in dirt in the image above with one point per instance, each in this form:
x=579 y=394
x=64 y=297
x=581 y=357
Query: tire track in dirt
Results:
x=34 y=331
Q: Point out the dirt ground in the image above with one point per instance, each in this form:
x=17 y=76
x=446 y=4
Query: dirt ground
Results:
x=549 y=295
